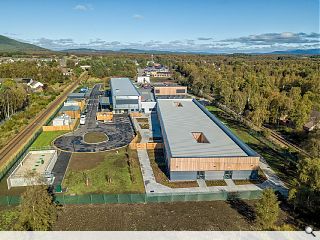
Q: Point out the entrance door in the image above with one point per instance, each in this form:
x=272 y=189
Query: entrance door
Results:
x=200 y=175
x=227 y=174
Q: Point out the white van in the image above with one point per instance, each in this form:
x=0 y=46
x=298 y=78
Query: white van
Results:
x=83 y=119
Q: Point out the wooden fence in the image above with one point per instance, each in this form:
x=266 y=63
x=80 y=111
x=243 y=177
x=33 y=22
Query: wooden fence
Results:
x=104 y=116
x=61 y=128
x=148 y=146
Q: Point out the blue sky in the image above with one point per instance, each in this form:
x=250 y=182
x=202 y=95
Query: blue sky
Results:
x=189 y=25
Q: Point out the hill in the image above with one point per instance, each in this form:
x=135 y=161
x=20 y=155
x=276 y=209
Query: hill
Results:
x=11 y=45
x=315 y=51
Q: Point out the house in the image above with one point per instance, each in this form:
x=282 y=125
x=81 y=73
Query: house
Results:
x=85 y=67
x=35 y=85
x=314 y=121
x=157 y=70
x=143 y=79
x=124 y=96
x=198 y=146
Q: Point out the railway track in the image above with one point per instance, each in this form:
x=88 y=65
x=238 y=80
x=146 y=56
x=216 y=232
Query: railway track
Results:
x=9 y=151
x=285 y=142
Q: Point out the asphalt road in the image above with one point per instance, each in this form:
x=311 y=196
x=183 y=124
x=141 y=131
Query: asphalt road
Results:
x=119 y=132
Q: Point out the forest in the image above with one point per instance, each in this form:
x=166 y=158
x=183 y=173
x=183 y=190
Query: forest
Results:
x=18 y=105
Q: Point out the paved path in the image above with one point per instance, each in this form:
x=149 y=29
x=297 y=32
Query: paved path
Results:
x=60 y=168
x=230 y=183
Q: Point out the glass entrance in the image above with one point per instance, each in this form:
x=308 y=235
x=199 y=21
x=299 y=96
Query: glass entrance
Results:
x=200 y=175
x=227 y=174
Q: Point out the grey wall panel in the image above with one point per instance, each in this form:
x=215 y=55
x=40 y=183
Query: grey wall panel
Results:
x=244 y=174
x=183 y=176
x=214 y=175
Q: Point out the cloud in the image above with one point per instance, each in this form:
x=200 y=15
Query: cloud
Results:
x=137 y=17
x=83 y=7
x=204 y=38
x=253 y=43
x=277 y=38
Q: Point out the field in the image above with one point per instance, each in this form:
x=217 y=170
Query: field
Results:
x=189 y=216
x=115 y=171
x=45 y=138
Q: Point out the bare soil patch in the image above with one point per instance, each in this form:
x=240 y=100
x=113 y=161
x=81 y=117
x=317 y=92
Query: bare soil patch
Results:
x=95 y=137
x=85 y=161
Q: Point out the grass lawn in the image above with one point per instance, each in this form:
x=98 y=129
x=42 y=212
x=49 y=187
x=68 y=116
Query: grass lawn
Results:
x=276 y=156
x=159 y=168
x=115 y=171
x=95 y=137
x=45 y=138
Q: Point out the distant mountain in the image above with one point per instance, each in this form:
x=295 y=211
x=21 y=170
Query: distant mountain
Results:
x=11 y=45
x=132 y=50
x=315 y=51
x=85 y=50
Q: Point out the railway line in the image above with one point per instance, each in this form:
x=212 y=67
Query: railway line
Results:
x=9 y=151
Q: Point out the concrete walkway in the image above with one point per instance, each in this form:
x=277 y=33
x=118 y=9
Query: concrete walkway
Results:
x=230 y=183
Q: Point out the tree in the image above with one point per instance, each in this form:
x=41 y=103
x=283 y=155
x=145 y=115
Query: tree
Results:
x=306 y=192
x=313 y=143
x=37 y=210
x=267 y=209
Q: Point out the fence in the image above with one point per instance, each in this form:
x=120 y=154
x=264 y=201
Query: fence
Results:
x=149 y=145
x=141 y=198
x=21 y=154
x=69 y=127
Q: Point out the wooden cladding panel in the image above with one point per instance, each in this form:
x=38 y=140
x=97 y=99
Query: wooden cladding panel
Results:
x=211 y=164
x=169 y=90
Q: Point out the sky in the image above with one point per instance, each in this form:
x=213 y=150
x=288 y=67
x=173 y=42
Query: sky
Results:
x=174 y=25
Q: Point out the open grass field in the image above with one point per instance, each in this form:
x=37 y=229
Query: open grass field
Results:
x=95 y=137
x=188 y=216
x=45 y=138
x=159 y=168
x=279 y=160
x=115 y=171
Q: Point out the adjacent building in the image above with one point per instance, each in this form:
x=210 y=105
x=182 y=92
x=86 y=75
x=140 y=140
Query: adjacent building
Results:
x=125 y=97
x=170 y=91
x=198 y=145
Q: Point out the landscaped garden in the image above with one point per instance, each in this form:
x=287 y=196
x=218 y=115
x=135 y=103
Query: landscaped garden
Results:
x=95 y=137
x=116 y=171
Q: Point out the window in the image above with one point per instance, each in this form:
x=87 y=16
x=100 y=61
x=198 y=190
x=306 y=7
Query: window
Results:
x=178 y=104
x=200 y=137
x=180 y=91
x=157 y=91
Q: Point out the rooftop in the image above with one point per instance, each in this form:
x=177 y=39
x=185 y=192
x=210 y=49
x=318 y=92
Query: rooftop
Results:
x=192 y=131
x=123 y=87
x=36 y=161
x=76 y=95
x=70 y=108
x=146 y=94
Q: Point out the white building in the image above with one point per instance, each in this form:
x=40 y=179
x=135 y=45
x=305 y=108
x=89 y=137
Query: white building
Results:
x=143 y=79
x=63 y=120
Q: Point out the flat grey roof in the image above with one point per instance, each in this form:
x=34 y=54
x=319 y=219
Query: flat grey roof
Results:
x=76 y=95
x=180 y=122
x=146 y=95
x=123 y=87
x=70 y=108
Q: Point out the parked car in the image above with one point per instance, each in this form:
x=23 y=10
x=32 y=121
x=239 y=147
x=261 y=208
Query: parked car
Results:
x=83 y=119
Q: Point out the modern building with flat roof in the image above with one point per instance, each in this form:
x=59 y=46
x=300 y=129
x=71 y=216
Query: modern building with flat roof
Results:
x=170 y=91
x=198 y=145
x=125 y=96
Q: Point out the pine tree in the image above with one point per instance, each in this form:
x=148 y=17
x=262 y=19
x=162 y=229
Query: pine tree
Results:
x=267 y=209
x=37 y=210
